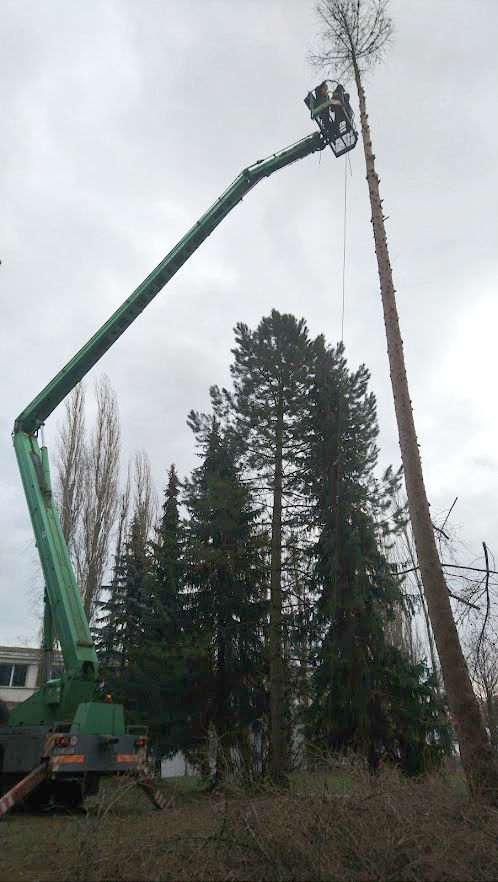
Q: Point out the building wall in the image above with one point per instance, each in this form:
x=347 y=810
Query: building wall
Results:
x=176 y=767
x=21 y=655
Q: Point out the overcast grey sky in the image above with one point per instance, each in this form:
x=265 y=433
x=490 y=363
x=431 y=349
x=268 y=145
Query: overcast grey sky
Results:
x=123 y=120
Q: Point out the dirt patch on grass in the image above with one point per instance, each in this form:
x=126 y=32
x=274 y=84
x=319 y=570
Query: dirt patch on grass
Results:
x=372 y=828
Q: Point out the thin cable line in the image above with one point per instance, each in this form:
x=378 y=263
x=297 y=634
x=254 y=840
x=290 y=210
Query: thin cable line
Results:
x=339 y=415
x=344 y=245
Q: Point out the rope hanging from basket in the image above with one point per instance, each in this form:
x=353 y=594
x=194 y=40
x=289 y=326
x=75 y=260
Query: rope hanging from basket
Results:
x=339 y=412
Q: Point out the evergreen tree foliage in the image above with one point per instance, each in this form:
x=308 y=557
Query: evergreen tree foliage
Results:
x=161 y=662
x=367 y=696
x=271 y=376
x=226 y=605
x=121 y=621
x=285 y=503
x=168 y=566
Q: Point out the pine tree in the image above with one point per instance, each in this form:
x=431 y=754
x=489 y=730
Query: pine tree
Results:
x=367 y=696
x=224 y=575
x=271 y=372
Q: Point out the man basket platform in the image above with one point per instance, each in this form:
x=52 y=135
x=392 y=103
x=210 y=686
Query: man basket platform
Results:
x=329 y=106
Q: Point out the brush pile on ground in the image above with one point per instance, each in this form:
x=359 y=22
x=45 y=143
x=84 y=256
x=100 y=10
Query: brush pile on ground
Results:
x=330 y=825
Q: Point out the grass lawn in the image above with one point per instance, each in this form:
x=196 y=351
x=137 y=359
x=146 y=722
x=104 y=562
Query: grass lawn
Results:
x=339 y=823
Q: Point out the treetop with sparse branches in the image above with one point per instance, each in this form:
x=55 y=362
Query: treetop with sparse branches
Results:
x=355 y=32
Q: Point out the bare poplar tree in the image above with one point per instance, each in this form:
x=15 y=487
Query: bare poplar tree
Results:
x=355 y=35
x=145 y=497
x=123 y=512
x=483 y=663
x=70 y=464
x=100 y=491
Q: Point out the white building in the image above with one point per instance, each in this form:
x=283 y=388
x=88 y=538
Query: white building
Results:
x=18 y=672
x=176 y=767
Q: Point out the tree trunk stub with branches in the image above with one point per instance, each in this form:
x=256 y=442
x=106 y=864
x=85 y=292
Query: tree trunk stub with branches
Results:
x=356 y=33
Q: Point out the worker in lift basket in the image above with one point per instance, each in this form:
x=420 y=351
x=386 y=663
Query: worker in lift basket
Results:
x=321 y=95
x=340 y=113
x=339 y=93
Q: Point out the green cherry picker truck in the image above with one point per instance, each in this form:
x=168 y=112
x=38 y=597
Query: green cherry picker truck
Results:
x=59 y=742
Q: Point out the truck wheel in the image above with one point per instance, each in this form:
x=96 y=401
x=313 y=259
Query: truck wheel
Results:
x=4 y=713
x=70 y=795
x=39 y=799
x=91 y=787
x=6 y=782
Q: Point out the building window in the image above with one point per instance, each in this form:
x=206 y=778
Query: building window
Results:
x=5 y=674
x=19 y=675
x=13 y=675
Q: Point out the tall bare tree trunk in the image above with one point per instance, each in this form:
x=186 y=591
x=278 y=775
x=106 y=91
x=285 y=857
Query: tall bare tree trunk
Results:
x=278 y=763
x=220 y=722
x=475 y=750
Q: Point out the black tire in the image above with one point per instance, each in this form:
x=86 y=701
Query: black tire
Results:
x=91 y=786
x=69 y=795
x=39 y=798
x=6 y=782
x=4 y=713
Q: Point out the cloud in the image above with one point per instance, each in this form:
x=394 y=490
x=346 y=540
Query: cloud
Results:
x=124 y=121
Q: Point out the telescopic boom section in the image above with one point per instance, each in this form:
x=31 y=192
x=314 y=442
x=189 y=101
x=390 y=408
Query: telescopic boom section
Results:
x=65 y=615
x=30 y=420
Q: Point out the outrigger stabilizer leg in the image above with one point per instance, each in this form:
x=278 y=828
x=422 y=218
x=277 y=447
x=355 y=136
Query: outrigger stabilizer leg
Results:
x=40 y=774
x=24 y=787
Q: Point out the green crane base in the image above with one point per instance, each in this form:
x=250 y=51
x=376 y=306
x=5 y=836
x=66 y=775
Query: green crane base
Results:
x=71 y=703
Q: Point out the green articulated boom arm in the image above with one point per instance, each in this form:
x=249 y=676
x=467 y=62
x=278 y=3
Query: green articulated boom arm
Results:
x=64 y=614
x=41 y=407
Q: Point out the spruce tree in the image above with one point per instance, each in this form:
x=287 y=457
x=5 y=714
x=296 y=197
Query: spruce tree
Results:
x=271 y=374
x=120 y=628
x=367 y=695
x=162 y=659
x=225 y=604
